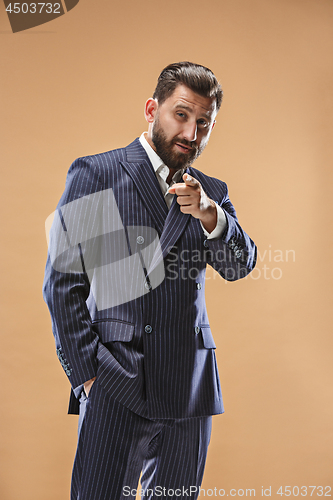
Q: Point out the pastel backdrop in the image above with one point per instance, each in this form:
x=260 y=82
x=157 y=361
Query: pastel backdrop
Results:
x=77 y=86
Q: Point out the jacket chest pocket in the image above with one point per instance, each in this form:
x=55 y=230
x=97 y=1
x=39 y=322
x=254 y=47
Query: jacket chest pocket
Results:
x=207 y=337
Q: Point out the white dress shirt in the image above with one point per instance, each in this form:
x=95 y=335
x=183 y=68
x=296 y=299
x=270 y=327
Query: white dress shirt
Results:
x=162 y=172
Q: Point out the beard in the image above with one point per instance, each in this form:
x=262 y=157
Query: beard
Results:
x=164 y=148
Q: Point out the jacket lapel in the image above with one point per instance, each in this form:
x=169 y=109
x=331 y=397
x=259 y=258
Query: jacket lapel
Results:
x=175 y=224
x=174 y=227
x=142 y=173
x=170 y=223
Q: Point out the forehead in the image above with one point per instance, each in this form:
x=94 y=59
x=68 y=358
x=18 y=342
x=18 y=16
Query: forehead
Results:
x=185 y=97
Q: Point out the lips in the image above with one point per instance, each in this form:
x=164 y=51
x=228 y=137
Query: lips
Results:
x=183 y=148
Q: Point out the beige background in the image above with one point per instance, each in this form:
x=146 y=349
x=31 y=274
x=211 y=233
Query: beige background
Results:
x=77 y=86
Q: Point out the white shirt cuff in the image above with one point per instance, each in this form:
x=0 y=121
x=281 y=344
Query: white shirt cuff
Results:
x=220 y=226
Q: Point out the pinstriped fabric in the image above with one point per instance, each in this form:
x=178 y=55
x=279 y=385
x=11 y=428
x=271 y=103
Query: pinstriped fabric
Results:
x=150 y=191
x=80 y=353
x=186 y=443
x=115 y=444
x=168 y=370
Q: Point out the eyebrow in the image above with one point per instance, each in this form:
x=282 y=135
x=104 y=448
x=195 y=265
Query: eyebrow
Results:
x=190 y=110
x=183 y=106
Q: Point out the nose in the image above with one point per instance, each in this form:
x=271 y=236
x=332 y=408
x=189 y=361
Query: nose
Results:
x=190 y=131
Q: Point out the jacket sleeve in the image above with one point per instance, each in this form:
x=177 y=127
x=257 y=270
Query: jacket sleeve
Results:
x=66 y=284
x=234 y=254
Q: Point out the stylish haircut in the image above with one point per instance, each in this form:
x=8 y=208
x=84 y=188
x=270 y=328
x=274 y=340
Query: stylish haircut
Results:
x=196 y=77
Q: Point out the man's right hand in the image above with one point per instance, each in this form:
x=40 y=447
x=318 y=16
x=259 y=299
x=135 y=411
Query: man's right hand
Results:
x=88 y=385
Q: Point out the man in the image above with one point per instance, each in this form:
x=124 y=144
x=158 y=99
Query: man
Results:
x=136 y=345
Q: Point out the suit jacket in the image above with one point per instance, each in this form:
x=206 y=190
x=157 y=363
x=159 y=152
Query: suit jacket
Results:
x=155 y=352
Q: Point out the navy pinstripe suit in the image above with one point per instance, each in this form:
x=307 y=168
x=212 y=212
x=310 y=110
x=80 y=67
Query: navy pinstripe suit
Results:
x=154 y=354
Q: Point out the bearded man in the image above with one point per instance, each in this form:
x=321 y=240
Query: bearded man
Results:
x=125 y=282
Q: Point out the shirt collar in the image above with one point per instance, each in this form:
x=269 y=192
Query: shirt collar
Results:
x=155 y=160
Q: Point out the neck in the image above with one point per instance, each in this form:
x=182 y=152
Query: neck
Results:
x=150 y=141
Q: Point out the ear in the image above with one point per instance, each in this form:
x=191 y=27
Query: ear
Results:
x=150 y=109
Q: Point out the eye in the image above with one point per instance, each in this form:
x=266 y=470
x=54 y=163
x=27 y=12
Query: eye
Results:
x=180 y=114
x=202 y=123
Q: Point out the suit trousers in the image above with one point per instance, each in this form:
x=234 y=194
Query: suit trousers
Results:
x=115 y=445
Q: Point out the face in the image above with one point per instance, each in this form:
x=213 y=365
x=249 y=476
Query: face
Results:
x=180 y=127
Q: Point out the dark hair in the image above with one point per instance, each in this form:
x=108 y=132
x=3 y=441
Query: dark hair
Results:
x=196 y=77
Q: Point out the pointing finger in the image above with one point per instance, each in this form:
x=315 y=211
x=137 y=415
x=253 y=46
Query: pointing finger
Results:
x=189 y=180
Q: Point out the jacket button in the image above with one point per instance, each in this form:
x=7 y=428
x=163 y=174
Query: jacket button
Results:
x=205 y=244
x=140 y=240
x=148 y=329
x=199 y=286
x=238 y=253
x=197 y=329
